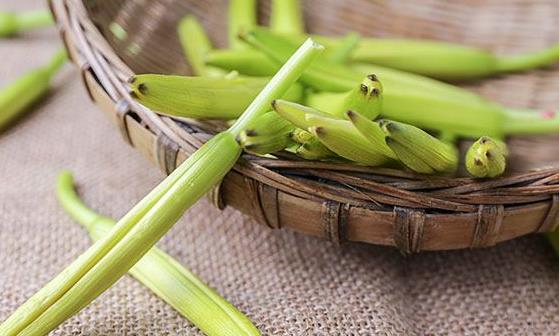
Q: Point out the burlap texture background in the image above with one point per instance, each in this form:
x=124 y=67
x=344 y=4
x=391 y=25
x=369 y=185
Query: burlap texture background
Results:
x=286 y=283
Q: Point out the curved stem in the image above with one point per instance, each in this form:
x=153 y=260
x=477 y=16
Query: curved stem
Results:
x=71 y=202
x=165 y=276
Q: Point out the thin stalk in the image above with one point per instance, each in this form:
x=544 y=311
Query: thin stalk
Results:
x=111 y=257
x=280 y=83
x=56 y=288
x=242 y=17
x=286 y=17
x=168 y=279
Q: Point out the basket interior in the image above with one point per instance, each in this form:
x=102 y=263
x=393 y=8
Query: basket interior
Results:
x=503 y=26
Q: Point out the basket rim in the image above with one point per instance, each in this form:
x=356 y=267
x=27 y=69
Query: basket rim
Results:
x=486 y=211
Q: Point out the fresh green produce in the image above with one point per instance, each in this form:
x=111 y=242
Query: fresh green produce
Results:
x=14 y=23
x=487 y=157
x=286 y=17
x=322 y=75
x=255 y=63
x=418 y=150
x=437 y=59
x=135 y=234
x=268 y=133
x=342 y=140
x=366 y=99
x=297 y=113
x=339 y=136
x=369 y=129
x=17 y=97
x=314 y=150
x=460 y=113
x=447 y=61
x=196 y=45
x=201 y=97
x=165 y=276
x=308 y=147
x=242 y=17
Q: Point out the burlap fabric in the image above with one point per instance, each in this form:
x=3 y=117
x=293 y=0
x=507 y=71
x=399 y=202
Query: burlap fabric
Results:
x=286 y=283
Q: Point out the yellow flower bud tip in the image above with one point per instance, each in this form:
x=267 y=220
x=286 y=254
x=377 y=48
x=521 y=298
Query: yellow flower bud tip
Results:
x=371 y=86
x=486 y=158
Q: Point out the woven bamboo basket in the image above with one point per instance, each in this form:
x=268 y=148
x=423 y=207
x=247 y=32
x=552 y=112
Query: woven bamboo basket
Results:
x=339 y=202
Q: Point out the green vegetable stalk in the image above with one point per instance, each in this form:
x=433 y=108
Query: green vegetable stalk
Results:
x=17 y=97
x=418 y=150
x=338 y=135
x=158 y=271
x=464 y=114
x=135 y=234
x=12 y=24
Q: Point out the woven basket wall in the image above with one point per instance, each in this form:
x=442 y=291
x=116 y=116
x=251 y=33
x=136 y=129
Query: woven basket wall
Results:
x=336 y=201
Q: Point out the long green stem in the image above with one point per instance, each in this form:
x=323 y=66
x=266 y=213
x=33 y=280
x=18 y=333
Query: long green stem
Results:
x=55 y=289
x=111 y=257
x=173 y=283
